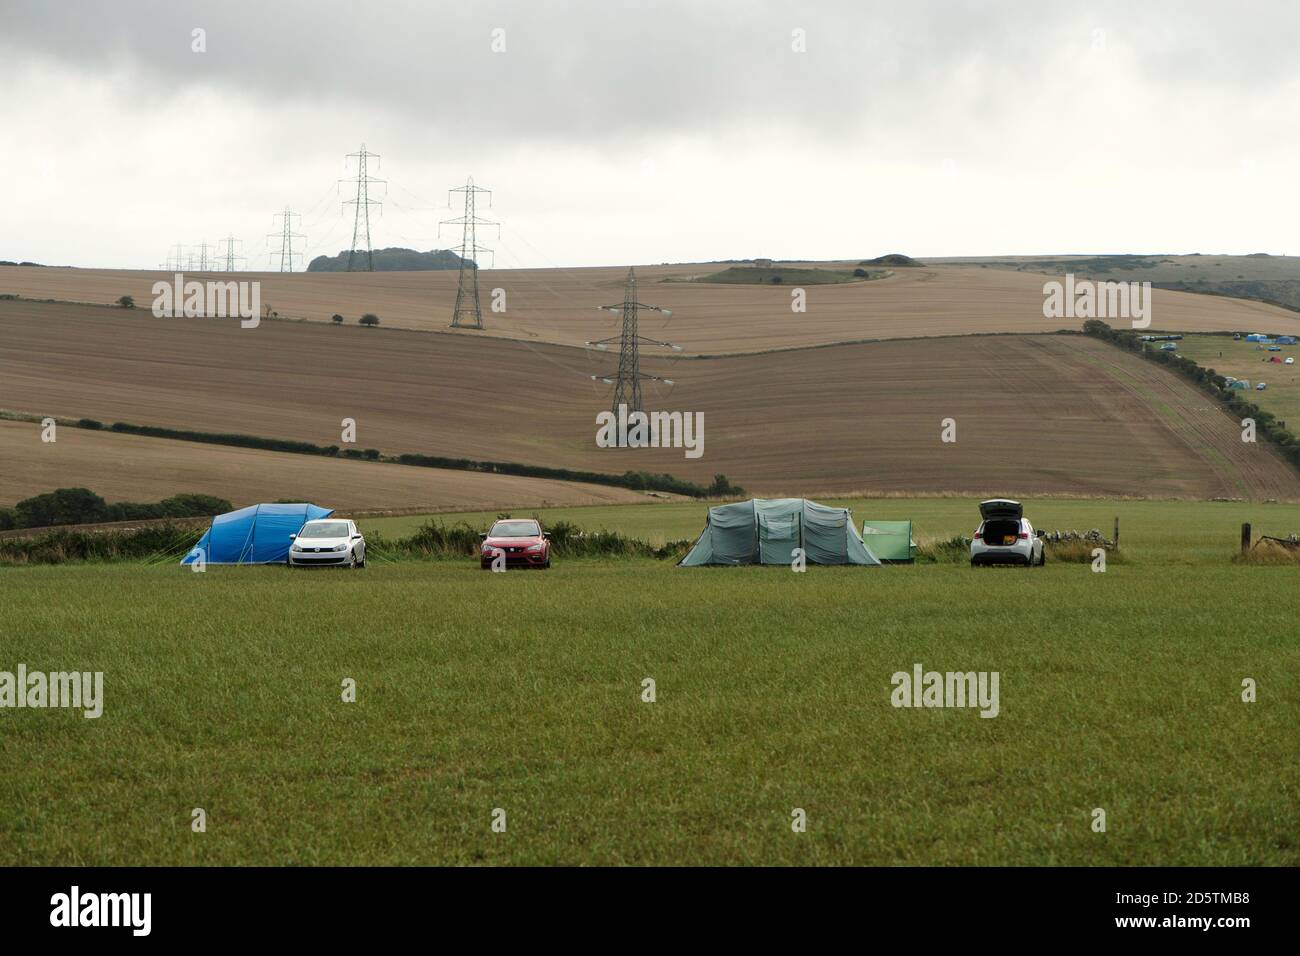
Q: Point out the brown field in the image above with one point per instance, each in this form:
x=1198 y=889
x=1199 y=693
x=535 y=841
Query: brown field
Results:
x=1035 y=414
x=559 y=306
x=131 y=468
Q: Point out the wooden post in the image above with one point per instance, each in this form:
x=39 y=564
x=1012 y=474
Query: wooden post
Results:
x=1117 y=532
x=1245 y=538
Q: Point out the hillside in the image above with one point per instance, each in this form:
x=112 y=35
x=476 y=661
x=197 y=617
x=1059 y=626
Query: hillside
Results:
x=560 y=305
x=1080 y=417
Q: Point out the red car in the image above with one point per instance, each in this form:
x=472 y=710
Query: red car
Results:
x=523 y=542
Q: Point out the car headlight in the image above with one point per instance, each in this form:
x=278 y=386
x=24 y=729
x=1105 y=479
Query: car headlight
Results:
x=339 y=547
x=296 y=547
x=533 y=547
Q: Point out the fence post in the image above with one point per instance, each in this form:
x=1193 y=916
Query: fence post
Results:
x=1245 y=538
x=1117 y=532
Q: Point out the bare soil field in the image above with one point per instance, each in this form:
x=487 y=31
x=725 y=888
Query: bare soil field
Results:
x=559 y=306
x=1035 y=414
x=132 y=468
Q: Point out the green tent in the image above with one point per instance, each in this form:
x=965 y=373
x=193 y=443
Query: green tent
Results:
x=763 y=531
x=889 y=540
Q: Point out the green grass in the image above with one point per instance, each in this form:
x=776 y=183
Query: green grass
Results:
x=1241 y=360
x=522 y=691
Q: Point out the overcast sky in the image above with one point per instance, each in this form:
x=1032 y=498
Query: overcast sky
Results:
x=619 y=132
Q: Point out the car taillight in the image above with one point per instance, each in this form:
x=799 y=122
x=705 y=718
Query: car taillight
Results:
x=979 y=535
x=1024 y=535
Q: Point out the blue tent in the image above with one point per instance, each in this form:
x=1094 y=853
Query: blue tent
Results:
x=258 y=534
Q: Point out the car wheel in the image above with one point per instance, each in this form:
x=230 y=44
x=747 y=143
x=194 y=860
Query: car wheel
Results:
x=1042 y=557
x=362 y=563
x=352 y=560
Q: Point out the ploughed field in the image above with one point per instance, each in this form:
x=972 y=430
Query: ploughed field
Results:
x=133 y=468
x=1045 y=414
x=560 y=305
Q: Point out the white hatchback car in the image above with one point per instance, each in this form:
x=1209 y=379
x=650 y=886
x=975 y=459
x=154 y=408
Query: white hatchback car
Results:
x=1005 y=536
x=328 y=541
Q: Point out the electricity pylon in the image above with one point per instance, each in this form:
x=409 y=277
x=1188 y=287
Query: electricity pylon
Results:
x=228 y=256
x=286 y=235
x=200 y=257
x=468 y=313
x=363 y=202
x=627 y=380
x=176 y=260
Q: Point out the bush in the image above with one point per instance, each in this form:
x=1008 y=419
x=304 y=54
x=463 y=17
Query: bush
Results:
x=859 y=273
x=56 y=547
x=8 y=519
x=336 y=319
x=89 y=423
x=62 y=506
x=126 y=302
x=369 y=319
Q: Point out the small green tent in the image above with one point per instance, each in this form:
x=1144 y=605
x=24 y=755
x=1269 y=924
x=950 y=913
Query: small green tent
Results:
x=767 y=531
x=889 y=540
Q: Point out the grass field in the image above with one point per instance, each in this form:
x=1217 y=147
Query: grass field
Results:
x=1241 y=360
x=522 y=691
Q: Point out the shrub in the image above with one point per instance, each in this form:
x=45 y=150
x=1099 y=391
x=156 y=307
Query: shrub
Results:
x=89 y=423
x=369 y=319
x=126 y=302
x=336 y=319
x=62 y=506
x=860 y=273
x=8 y=519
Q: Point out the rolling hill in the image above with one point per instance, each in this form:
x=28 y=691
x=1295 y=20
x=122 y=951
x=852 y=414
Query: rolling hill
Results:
x=1040 y=414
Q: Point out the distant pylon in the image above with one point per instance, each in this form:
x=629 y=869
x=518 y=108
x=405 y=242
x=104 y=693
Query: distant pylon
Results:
x=201 y=260
x=175 y=259
x=363 y=202
x=286 y=235
x=627 y=380
x=468 y=313
x=227 y=256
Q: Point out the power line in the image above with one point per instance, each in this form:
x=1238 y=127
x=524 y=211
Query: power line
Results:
x=286 y=236
x=363 y=202
x=627 y=380
x=468 y=313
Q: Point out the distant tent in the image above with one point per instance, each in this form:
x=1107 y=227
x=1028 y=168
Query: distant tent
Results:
x=889 y=540
x=763 y=531
x=1286 y=340
x=1256 y=337
x=258 y=534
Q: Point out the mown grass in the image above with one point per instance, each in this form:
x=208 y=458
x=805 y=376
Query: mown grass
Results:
x=523 y=691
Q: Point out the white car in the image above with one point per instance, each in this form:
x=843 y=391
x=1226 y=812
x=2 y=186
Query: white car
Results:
x=328 y=541
x=1005 y=536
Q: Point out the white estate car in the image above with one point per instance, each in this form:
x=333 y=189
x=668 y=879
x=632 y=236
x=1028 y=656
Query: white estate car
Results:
x=328 y=541
x=1005 y=536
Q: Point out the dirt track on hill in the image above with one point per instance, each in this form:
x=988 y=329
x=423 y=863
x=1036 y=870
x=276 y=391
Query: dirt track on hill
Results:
x=1034 y=414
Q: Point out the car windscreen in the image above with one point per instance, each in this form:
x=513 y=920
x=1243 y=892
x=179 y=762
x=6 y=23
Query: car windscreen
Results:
x=326 y=529
x=515 y=529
